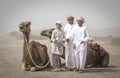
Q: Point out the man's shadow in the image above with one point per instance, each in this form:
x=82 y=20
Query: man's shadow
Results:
x=91 y=69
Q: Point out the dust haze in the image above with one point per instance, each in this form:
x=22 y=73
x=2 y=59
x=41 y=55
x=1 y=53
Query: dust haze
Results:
x=101 y=16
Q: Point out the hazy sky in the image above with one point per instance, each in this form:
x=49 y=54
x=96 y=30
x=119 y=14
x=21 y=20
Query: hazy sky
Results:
x=98 y=14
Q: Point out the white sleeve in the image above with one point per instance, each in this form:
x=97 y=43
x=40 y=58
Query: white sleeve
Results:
x=64 y=36
x=86 y=35
x=74 y=37
x=74 y=41
x=53 y=36
x=70 y=35
x=64 y=30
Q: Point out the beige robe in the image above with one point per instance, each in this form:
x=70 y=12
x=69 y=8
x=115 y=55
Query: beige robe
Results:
x=57 y=48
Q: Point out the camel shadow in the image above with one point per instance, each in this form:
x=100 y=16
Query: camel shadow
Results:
x=102 y=69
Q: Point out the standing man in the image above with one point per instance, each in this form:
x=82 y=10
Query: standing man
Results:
x=57 y=48
x=81 y=37
x=69 y=52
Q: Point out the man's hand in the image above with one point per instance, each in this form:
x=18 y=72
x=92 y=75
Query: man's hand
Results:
x=74 y=46
x=81 y=42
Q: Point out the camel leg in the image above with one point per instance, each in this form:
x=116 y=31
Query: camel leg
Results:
x=32 y=69
x=24 y=67
x=105 y=60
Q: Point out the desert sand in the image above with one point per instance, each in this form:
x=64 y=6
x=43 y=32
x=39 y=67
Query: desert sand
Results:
x=11 y=55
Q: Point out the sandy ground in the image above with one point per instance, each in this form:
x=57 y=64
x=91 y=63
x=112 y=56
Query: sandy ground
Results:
x=11 y=55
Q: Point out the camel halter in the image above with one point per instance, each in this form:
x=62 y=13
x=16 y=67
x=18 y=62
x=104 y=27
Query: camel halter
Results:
x=32 y=58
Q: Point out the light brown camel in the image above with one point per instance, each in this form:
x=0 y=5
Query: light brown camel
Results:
x=35 y=55
x=93 y=57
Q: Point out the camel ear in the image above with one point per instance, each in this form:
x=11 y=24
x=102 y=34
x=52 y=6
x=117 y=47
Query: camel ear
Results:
x=29 y=23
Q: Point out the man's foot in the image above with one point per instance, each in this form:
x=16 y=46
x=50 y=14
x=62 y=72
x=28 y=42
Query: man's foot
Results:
x=76 y=69
x=63 y=69
x=56 y=69
x=71 y=69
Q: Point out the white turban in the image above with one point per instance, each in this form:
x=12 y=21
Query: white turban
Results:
x=81 y=19
x=58 y=22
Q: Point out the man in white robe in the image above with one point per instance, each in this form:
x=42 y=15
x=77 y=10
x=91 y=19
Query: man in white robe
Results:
x=81 y=37
x=69 y=52
x=58 y=39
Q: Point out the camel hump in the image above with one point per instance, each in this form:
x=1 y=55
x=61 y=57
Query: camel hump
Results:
x=40 y=52
x=36 y=43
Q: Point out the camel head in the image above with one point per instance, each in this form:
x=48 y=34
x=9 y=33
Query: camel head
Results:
x=25 y=27
x=47 y=33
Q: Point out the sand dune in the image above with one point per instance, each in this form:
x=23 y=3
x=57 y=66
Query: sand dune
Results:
x=109 y=40
x=18 y=36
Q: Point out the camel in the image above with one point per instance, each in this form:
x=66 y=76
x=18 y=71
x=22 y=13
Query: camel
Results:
x=35 y=54
x=92 y=55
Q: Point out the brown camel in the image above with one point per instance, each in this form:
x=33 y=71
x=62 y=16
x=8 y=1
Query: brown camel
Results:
x=35 y=55
x=94 y=58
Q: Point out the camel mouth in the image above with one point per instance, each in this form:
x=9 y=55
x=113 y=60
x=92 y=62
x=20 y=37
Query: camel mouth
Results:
x=21 y=28
x=42 y=33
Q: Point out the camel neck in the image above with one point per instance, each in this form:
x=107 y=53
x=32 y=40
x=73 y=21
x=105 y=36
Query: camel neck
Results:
x=26 y=38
